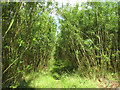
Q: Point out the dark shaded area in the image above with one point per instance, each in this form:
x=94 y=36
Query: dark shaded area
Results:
x=21 y=83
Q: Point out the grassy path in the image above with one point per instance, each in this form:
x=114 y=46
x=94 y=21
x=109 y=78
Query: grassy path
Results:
x=66 y=81
x=46 y=80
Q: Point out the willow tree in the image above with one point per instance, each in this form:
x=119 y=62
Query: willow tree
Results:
x=89 y=38
x=28 y=38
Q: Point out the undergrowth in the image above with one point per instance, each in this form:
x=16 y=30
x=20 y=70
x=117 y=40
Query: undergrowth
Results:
x=47 y=80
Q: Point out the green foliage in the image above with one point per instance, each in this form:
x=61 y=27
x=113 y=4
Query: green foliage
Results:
x=28 y=44
x=88 y=36
x=87 y=42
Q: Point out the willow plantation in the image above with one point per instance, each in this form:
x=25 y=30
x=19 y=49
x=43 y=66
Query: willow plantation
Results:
x=53 y=45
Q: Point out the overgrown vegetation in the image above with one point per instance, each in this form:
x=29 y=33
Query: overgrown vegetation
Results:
x=66 y=81
x=85 y=50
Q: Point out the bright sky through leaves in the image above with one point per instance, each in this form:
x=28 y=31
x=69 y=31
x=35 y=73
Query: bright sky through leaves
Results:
x=64 y=2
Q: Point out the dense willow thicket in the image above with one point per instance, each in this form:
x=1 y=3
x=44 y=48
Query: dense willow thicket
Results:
x=89 y=38
x=87 y=43
x=28 y=38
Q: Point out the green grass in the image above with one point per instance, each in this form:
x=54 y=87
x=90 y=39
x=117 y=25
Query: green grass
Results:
x=37 y=80
x=54 y=80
